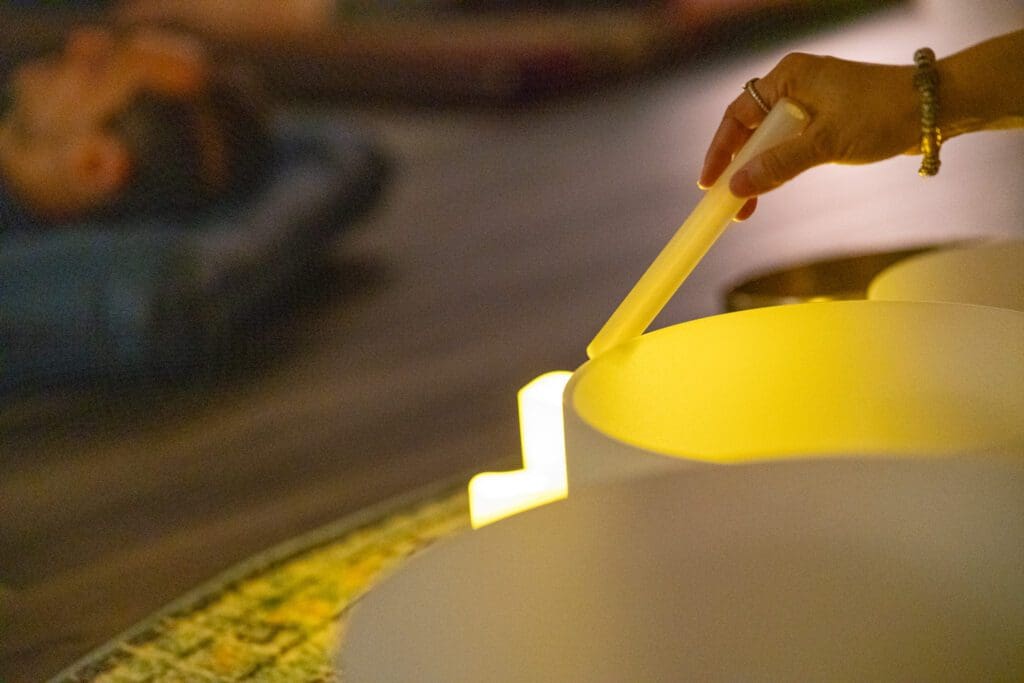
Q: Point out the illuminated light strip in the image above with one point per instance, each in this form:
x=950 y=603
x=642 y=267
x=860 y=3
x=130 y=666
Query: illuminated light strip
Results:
x=496 y=495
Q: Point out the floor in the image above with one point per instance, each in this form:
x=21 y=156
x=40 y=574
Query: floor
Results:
x=503 y=243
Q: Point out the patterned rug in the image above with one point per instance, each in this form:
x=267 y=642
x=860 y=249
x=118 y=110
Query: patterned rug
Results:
x=279 y=616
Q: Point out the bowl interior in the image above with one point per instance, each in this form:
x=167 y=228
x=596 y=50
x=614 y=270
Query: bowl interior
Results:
x=832 y=377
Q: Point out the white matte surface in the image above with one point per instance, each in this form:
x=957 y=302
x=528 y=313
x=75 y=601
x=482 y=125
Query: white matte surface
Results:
x=863 y=570
x=990 y=274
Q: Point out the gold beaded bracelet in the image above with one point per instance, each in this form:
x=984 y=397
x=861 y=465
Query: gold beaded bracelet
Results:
x=926 y=80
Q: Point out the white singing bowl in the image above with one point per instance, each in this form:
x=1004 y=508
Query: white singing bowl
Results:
x=816 y=570
x=804 y=380
x=990 y=274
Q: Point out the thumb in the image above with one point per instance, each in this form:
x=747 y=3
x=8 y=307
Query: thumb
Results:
x=772 y=168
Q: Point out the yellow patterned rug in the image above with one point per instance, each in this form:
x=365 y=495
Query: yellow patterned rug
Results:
x=279 y=616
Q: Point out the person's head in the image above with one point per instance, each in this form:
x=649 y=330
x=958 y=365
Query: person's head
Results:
x=127 y=125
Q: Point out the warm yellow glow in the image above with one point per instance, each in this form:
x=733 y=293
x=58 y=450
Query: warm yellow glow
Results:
x=812 y=379
x=496 y=495
x=694 y=237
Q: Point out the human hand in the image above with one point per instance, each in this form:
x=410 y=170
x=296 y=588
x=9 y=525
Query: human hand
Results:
x=860 y=113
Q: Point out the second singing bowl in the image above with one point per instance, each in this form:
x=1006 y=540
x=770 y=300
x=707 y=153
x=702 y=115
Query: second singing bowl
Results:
x=830 y=378
x=841 y=278
x=986 y=274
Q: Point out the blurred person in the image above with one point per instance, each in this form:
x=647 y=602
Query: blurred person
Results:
x=862 y=113
x=124 y=125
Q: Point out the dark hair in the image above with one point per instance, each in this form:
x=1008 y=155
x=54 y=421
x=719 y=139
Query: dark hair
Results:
x=172 y=141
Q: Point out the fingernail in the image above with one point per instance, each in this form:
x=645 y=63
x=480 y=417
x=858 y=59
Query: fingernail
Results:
x=702 y=179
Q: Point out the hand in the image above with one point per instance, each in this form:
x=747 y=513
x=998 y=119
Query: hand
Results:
x=860 y=113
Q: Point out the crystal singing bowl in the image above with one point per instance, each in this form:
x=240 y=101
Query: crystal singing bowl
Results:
x=809 y=379
x=987 y=274
x=837 y=279
x=815 y=570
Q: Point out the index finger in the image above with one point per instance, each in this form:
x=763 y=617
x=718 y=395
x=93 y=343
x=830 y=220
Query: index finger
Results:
x=741 y=117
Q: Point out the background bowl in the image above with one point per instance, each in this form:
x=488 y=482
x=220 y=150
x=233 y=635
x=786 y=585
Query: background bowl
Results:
x=990 y=274
x=836 y=279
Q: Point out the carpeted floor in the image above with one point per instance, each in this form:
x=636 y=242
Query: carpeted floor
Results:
x=280 y=615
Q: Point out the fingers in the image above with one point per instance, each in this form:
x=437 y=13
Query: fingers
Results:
x=774 y=167
x=738 y=124
x=741 y=117
x=729 y=138
x=748 y=209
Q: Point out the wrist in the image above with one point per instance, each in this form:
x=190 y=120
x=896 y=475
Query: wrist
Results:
x=979 y=86
x=960 y=112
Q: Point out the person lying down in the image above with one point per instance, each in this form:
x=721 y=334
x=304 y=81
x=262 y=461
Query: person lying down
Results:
x=125 y=124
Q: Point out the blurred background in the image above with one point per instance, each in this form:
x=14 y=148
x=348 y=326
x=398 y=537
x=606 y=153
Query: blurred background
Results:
x=454 y=197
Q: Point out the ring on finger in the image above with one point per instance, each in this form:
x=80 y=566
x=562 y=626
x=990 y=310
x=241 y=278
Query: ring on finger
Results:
x=752 y=91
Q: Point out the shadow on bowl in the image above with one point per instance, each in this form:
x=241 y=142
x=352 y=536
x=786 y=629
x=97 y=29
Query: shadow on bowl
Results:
x=837 y=279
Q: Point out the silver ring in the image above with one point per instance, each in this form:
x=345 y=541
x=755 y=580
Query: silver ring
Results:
x=749 y=87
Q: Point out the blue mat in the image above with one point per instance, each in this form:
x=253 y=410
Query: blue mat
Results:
x=87 y=302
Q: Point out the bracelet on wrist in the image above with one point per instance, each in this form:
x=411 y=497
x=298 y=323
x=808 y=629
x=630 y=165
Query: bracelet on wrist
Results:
x=926 y=81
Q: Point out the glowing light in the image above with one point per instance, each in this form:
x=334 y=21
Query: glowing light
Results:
x=830 y=378
x=694 y=237
x=496 y=495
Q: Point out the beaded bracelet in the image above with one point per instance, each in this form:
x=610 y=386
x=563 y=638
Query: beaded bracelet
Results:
x=926 y=80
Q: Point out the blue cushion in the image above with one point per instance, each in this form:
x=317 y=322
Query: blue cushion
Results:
x=90 y=301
